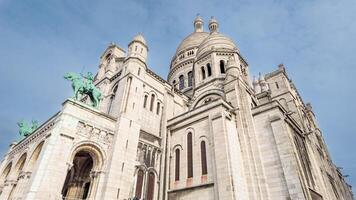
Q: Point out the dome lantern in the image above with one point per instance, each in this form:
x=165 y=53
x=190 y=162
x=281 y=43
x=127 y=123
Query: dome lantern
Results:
x=198 y=24
x=213 y=25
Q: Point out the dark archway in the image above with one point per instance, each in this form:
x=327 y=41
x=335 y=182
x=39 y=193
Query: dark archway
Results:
x=78 y=181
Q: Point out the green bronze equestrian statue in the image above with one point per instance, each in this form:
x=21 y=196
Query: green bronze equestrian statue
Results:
x=26 y=129
x=84 y=85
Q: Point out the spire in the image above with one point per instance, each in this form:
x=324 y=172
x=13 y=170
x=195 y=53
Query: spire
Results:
x=213 y=25
x=263 y=83
x=198 y=24
x=256 y=85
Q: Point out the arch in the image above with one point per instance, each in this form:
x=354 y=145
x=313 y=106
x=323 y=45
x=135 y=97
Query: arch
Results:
x=181 y=82
x=150 y=186
x=112 y=97
x=190 y=79
x=158 y=107
x=212 y=92
x=35 y=155
x=204 y=167
x=208 y=67
x=20 y=164
x=190 y=155
x=284 y=103
x=94 y=150
x=203 y=72
x=222 y=67
x=114 y=89
x=145 y=101
x=174 y=83
x=108 y=56
x=204 y=138
x=78 y=181
x=177 y=146
x=152 y=102
x=5 y=173
x=87 y=158
x=16 y=172
x=177 y=164
x=139 y=183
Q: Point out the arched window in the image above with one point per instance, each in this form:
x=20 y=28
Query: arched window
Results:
x=152 y=102
x=203 y=72
x=145 y=101
x=139 y=184
x=150 y=186
x=5 y=173
x=112 y=98
x=222 y=67
x=177 y=166
x=158 y=107
x=204 y=168
x=18 y=168
x=283 y=102
x=181 y=82
x=190 y=155
x=174 y=83
x=108 y=56
x=190 y=79
x=139 y=71
x=34 y=157
x=209 y=69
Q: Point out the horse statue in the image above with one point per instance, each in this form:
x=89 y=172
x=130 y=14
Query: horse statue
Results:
x=26 y=129
x=83 y=85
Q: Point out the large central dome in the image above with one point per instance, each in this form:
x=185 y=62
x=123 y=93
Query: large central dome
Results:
x=195 y=47
x=191 y=41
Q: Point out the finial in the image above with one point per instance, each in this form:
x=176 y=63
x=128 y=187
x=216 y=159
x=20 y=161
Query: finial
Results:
x=213 y=25
x=198 y=24
x=255 y=81
x=309 y=106
x=281 y=66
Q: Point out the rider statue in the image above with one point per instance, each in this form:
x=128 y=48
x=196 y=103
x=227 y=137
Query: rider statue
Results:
x=89 y=79
x=84 y=85
x=26 y=129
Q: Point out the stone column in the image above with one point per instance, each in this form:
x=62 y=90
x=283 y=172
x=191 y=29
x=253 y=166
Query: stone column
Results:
x=8 y=187
x=287 y=158
x=95 y=191
x=22 y=183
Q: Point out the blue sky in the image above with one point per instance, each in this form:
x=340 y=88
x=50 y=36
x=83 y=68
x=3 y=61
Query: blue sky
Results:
x=315 y=39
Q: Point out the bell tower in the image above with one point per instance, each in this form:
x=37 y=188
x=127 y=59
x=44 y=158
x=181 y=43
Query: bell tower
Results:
x=138 y=48
x=108 y=61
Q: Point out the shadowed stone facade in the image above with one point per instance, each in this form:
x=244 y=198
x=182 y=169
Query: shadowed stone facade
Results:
x=207 y=132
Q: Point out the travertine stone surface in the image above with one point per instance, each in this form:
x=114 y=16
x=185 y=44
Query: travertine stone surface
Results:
x=250 y=139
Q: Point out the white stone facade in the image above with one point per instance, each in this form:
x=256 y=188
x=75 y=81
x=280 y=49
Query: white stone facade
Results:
x=208 y=132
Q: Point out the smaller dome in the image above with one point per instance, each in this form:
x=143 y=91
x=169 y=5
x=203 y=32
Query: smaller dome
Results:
x=139 y=38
